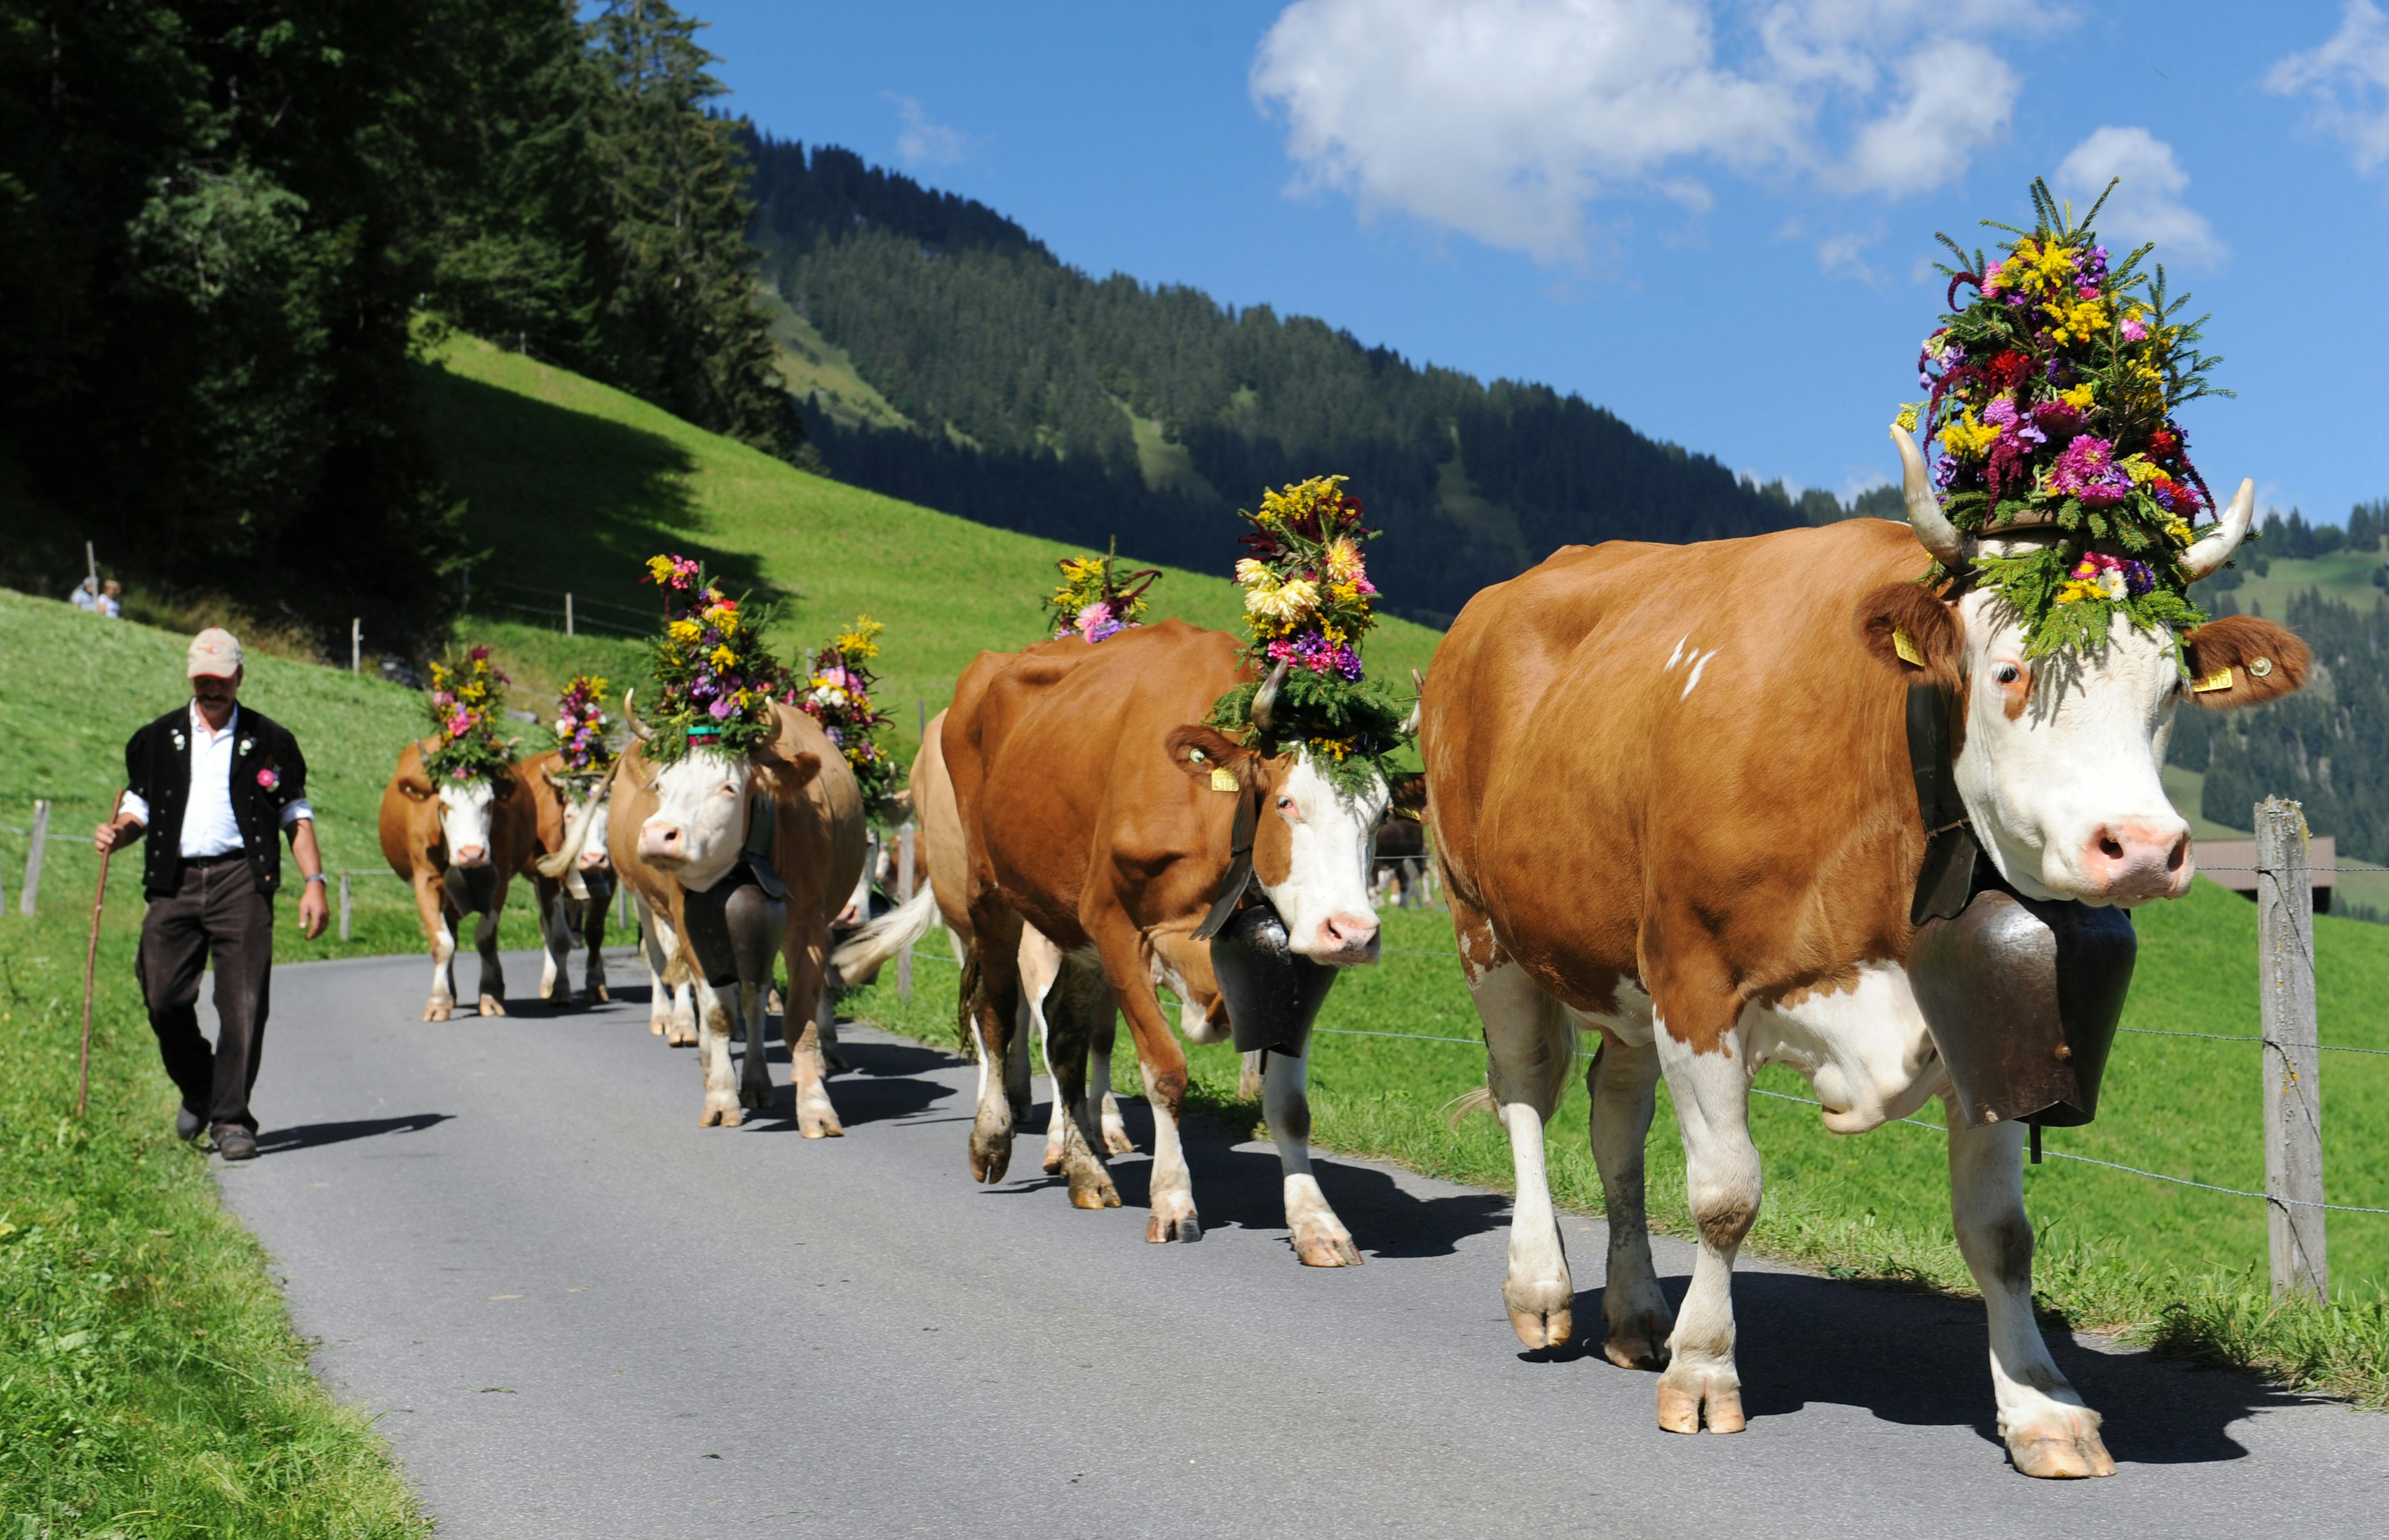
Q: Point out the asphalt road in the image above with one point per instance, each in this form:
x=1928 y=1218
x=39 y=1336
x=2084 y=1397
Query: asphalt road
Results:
x=578 y=1314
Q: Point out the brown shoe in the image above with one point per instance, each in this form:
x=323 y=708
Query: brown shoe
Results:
x=234 y=1143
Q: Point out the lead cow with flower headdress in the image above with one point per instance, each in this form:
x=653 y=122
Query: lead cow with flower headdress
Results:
x=1761 y=801
x=1128 y=798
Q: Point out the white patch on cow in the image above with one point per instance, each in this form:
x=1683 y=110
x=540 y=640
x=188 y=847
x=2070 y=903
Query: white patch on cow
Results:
x=1194 y=1022
x=1171 y=1185
x=464 y=821
x=701 y=817
x=1864 y=1049
x=1324 y=899
x=443 y=963
x=1675 y=657
x=1700 y=661
x=1629 y=1022
x=1722 y=1180
x=2075 y=773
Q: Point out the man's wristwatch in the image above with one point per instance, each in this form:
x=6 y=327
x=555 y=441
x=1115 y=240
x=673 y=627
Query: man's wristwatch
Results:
x=318 y=877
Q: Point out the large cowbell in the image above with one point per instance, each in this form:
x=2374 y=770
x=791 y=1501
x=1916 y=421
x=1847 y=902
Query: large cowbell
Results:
x=1272 y=994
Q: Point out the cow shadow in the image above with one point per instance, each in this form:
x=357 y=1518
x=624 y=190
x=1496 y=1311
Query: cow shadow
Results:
x=310 y=1136
x=1922 y=1360
x=885 y=1082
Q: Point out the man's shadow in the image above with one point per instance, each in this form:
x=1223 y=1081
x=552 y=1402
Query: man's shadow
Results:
x=309 y=1136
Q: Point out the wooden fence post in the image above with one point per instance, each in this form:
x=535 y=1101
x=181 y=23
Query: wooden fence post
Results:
x=904 y=895
x=344 y=906
x=33 y=858
x=2286 y=1014
x=356 y=650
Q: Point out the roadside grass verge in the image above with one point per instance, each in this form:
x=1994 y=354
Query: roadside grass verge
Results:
x=150 y=1384
x=2175 y=1268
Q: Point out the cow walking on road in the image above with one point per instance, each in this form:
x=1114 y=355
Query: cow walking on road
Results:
x=457 y=844
x=1673 y=802
x=572 y=837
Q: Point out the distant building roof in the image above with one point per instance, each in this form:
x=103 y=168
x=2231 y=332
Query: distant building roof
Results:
x=2233 y=864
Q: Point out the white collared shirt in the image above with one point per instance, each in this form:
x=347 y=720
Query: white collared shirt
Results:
x=208 y=828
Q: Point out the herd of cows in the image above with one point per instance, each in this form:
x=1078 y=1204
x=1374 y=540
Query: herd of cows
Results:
x=1670 y=801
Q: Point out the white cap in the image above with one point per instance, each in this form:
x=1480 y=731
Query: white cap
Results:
x=215 y=654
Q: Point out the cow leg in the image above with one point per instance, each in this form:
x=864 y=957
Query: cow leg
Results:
x=805 y=948
x=996 y=1008
x=1722 y=1177
x=1080 y=994
x=593 y=935
x=431 y=906
x=485 y=941
x=1529 y=1054
x=1104 y=1107
x=1621 y=1081
x=554 y=936
x=651 y=952
x=1162 y=1064
x=1041 y=972
x=1319 y=1238
x=718 y=1009
x=679 y=1024
x=2048 y=1431
x=756 y=923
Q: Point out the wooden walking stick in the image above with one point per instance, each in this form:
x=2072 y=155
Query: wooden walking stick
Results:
x=91 y=963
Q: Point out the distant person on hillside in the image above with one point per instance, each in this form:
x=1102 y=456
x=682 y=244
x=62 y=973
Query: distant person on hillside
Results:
x=111 y=599
x=214 y=782
x=85 y=596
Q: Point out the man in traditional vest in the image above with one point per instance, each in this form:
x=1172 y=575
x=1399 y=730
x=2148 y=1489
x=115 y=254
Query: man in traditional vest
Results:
x=215 y=784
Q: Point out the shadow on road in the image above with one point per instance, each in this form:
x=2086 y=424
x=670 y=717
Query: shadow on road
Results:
x=309 y=1136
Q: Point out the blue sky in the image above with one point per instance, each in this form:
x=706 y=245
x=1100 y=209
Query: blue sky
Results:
x=1714 y=219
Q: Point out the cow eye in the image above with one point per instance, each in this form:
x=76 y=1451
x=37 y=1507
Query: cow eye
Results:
x=2006 y=673
x=1286 y=804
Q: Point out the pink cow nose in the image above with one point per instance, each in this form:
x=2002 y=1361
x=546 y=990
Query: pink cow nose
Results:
x=472 y=855
x=591 y=860
x=658 y=838
x=1348 y=935
x=2132 y=859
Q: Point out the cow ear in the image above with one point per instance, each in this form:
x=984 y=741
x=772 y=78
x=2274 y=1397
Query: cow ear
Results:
x=415 y=787
x=1206 y=754
x=2244 y=660
x=793 y=774
x=1409 y=796
x=1910 y=632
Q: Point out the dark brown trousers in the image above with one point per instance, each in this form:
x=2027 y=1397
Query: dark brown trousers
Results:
x=217 y=913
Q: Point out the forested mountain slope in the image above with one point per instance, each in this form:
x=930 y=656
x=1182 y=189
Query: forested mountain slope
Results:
x=947 y=358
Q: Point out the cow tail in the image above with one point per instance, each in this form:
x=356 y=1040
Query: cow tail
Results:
x=1546 y=1079
x=966 y=1005
x=878 y=941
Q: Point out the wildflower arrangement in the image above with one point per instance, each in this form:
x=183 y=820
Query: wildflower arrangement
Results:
x=467 y=701
x=1093 y=600
x=837 y=693
x=2053 y=396
x=581 y=733
x=1308 y=605
x=715 y=679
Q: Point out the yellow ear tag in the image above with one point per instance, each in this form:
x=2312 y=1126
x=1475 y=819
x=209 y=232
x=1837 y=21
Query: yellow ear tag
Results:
x=1224 y=780
x=2220 y=680
x=1905 y=645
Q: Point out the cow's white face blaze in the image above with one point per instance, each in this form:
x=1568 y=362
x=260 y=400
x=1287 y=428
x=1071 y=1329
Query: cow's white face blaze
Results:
x=2060 y=766
x=1323 y=893
x=464 y=821
x=701 y=817
x=593 y=847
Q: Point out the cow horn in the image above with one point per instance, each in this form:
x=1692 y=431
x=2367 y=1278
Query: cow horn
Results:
x=1411 y=723
x=1265 y=698
x=1934 y=530
x=2204 y=558
x=639 y=730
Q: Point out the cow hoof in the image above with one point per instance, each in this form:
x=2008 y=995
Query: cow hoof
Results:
x=2061 y=1447
x=833 y=1062
x=991 y=1157
x=1688 y=1400
x=1116 y=1140
x=438 y=1011
x=1543 y=1315
x=821 y=1128
x=492 y=1006
x=1091 y=1185
x=678 y=1038
x=654 y=1026
x=1053 y=1157
x=1637 y=1348
x=602 y=995
x=1327 y=1249
x=1165 y=1227
x=756 y=1097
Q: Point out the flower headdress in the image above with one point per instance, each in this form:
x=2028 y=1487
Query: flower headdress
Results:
x=2052 y=395
x=1308 y=605
x=581 y=733
x=1093 y=600
x=466 y=703
x=715 y=679
x=837 y=693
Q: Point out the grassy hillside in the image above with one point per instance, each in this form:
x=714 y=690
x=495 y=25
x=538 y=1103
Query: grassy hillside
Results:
x=571 y=486
x=2344 y=575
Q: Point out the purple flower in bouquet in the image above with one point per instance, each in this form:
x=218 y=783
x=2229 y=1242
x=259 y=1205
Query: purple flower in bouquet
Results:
x=1096 y=621
x=2138 y=578
x=722 y=708
x=2087 y=470
x=2134 y=331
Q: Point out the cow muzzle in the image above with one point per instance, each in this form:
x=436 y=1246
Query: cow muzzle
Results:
x=593 y=860
x=660 y=840
x=469 y=856
x=1344 y=940
x=2131 y=859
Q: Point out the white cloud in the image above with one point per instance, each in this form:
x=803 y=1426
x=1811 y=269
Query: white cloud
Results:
x=2347 y=82
x=2147 y=205
x=1507 y=119
x=924 y=143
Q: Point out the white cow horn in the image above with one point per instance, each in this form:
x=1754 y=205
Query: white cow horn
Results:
x=1411 y=723
x=2204 y=558
x=1265 y=698
x=1934 y=530
x=639 y=730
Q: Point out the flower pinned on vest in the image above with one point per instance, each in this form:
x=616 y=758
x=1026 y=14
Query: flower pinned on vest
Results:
x=581 y=725
x=715 y=679
x=2052 y=395
x=837 y=693
x=1308 y=605
x=1094 y=601
x=269 y=778
x=467 y=701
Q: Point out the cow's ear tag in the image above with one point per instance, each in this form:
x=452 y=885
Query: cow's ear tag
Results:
x=2220 y=680
x=1905 y=645
x=2262 y=667
x=1224 y=780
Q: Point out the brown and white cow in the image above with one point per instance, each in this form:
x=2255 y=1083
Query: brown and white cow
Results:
x=571 y=824
x=1084 y=782
x=457 y=845
x=1671 y=798
x=689 y=823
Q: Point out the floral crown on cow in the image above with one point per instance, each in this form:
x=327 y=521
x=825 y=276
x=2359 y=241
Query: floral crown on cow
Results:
x=715 y=679
x=1308 y=605
x=1095 y=600
x=581 y=734
x=2053 y=394
x=467 y=699
x=836 y=693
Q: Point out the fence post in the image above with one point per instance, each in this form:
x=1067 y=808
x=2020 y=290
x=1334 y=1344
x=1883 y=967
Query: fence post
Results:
x=904 y=895
x=344 y=906
x=2286 y=1013
x=567 y=611
x=356 y=645
x=33 y=857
